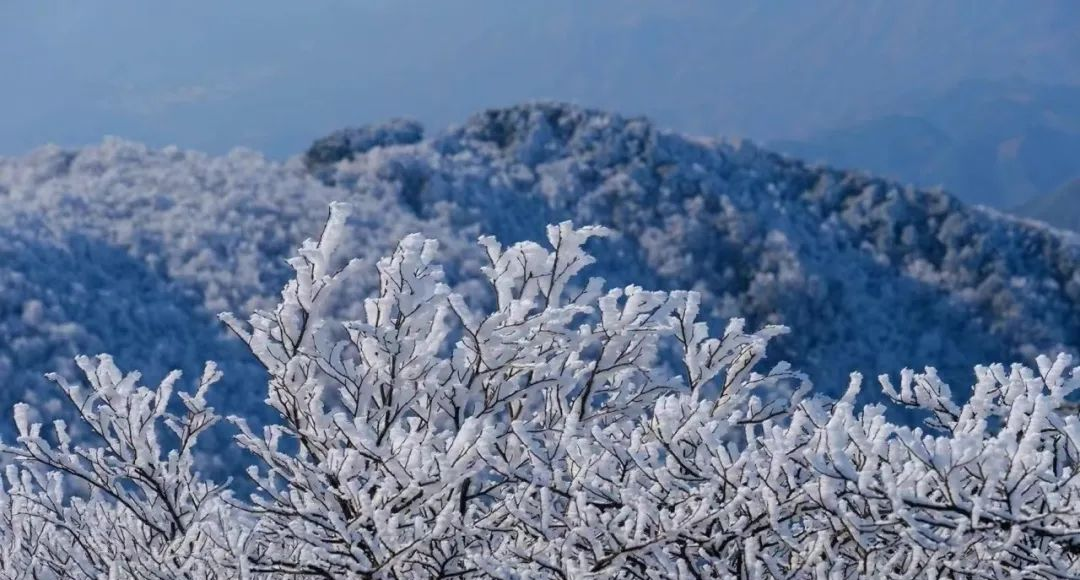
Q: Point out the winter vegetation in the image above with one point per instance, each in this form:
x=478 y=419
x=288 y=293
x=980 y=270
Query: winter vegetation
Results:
x=598 y=405
x=544 y=436
x=129 y=250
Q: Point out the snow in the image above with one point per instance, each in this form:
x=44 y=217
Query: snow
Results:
x=129 y=250
x=540 y=435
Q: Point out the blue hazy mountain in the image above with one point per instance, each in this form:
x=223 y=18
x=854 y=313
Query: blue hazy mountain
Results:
x=999 y=143
x=1060 y=208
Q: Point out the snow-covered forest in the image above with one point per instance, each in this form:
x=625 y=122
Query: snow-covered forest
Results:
x=129 y=250
x=495 y=409
x=562 y=429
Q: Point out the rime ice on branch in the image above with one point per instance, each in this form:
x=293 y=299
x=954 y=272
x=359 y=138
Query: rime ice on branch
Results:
x=567 y=431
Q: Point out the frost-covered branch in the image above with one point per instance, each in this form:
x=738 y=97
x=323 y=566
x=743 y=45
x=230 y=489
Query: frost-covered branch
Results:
x=557 y=430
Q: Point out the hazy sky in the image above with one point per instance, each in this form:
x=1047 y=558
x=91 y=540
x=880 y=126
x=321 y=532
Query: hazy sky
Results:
x=274 y=74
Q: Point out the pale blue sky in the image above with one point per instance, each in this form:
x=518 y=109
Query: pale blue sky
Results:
x=274 y=74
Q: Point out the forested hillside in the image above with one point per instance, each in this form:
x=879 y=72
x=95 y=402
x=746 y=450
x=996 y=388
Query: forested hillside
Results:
x=134 y=251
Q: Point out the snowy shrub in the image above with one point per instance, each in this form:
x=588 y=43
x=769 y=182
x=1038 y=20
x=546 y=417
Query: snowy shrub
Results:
x=564 y=431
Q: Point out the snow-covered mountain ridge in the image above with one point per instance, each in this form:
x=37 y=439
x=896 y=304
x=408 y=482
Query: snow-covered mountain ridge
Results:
x=870 y=275
x=124 y=249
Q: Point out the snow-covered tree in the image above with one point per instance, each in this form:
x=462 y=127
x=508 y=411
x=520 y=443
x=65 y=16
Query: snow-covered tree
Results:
x=119 y=502
x=553 y=429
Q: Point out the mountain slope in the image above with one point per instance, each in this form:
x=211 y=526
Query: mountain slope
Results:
x=122 y=249
x=129 y=250
x=871 y=275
